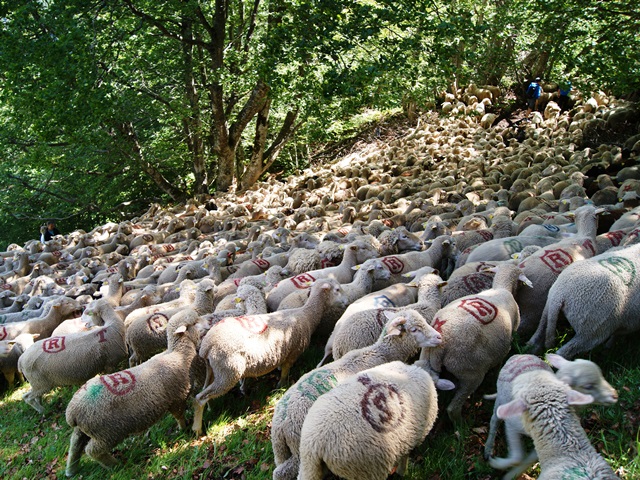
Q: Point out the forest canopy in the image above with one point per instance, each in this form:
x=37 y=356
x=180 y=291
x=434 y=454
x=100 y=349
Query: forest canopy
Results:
x=106 y=106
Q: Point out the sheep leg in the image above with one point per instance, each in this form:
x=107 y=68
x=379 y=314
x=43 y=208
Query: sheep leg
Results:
x=198 y=411
x=34 y=400
x=76 y=446
x=523 y=466
x=467 y=387
x=100 y=453
x=491 y=437
x=10 y=377
x=287 y=470
x=284 y=374
x=311 y=467
x=516 y=451
x=178 y=413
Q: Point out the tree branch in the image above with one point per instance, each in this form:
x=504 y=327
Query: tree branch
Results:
x=29 y=186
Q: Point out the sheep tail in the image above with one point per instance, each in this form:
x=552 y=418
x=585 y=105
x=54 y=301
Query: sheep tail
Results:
x=550 y=316
x=287 y=470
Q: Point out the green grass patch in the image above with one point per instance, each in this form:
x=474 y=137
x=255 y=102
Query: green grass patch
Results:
x=237 y=443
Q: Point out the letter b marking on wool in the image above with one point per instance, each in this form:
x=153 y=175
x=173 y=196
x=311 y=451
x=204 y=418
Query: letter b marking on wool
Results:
x=482 y=310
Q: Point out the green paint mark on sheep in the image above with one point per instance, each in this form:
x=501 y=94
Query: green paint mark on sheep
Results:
x=575 y=473
x=512 y=246
x=318 y=383
x=93 y=391
x=621 y=267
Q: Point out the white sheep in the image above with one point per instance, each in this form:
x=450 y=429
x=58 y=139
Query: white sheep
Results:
x=403 y=334
x=107 y=409
x=10 y=352
x=368 y=423
x=147 y=335
x=252 y=346
x=60 y=309
x=364 y=328
x=476 y=333
x=581 y=375
x=355 y=253
x=543 y=267
x=599 y=297
x=544 y=404
x=73 y=359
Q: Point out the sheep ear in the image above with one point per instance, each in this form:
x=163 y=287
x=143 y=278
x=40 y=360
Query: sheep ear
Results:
x=442 y=284
x=525 y=280
x=443 y=384
x=395 y=327
x=446 y=242
x=514 y=408
x=181 y=329
x=557 y=361
x=576 y=398
x=357 y=267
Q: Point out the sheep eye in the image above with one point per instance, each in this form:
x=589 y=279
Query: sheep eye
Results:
x=588 y=387
x=413 y=329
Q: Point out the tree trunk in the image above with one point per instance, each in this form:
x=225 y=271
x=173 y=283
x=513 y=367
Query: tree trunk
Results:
x=128 y=132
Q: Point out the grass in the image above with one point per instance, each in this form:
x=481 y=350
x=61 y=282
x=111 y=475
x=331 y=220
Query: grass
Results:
x=237 y=441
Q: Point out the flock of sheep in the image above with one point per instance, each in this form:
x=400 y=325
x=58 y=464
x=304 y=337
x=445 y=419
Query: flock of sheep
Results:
x=443 y=243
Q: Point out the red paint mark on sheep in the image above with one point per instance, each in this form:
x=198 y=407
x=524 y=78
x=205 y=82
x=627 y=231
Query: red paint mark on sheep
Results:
x=326 y=263
x=438 y=324
x=61 y=281
x=615 y=237
x=588 y=244
x=556 y=259
x=119 y=383
x=343 y=231
x=477 y=282
x=101 y=334
x=480 y=309
x=382 y=405
x=486 y=234
x=57 y=253
x=157 y=322
x=6 y=286
x=519 y=365
x=236 y=281
x=254 y=324
x=261 y=263
x=169 y=248
x=303 y=280
x=3 y=333
x=53 y=345
x=394 y=264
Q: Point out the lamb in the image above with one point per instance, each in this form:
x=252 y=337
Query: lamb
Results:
x=251 y=346
x=581 y=375
x=403 y=334
x=355 y=253
x=107 y=409
x=501 y=249
x=477 y=333
x=544 y=404
x=73 y=359
x=10 y=351
x=544 y=266
x=187 y=296
x=146 y=335
x=599 y=297
x=363 y=328
x=60 y=309
x=398 y=240
x=368 y=423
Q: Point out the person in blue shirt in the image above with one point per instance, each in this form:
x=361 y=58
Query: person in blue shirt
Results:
x=49 y=231
x=564 y=89
x=533 y=95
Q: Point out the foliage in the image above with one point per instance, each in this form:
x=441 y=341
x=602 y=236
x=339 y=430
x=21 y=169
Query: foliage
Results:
x=109 y=102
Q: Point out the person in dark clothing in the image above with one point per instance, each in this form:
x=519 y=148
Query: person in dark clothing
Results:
x=533 y=95
x=564 y=90
x=49 y=231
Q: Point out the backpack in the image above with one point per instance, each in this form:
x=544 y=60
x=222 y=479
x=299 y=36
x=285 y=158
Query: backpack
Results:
x=531 y=91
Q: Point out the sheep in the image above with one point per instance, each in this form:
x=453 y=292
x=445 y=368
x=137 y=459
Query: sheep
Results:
x=581 y=375
x=187 y=291
x=73 y=359
x=355 y=253
x=10 y=351
x=544 y=266
x=363 y=328
x=441 y=249
x=368 y=423
x=402 y=335
x=477 y=333
x=599 y=297
x=544 y=404
x=398 y=240
x=147 y=335
x=251 y=346
x=502 y=249
x=109 y=408
x=60 y=309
